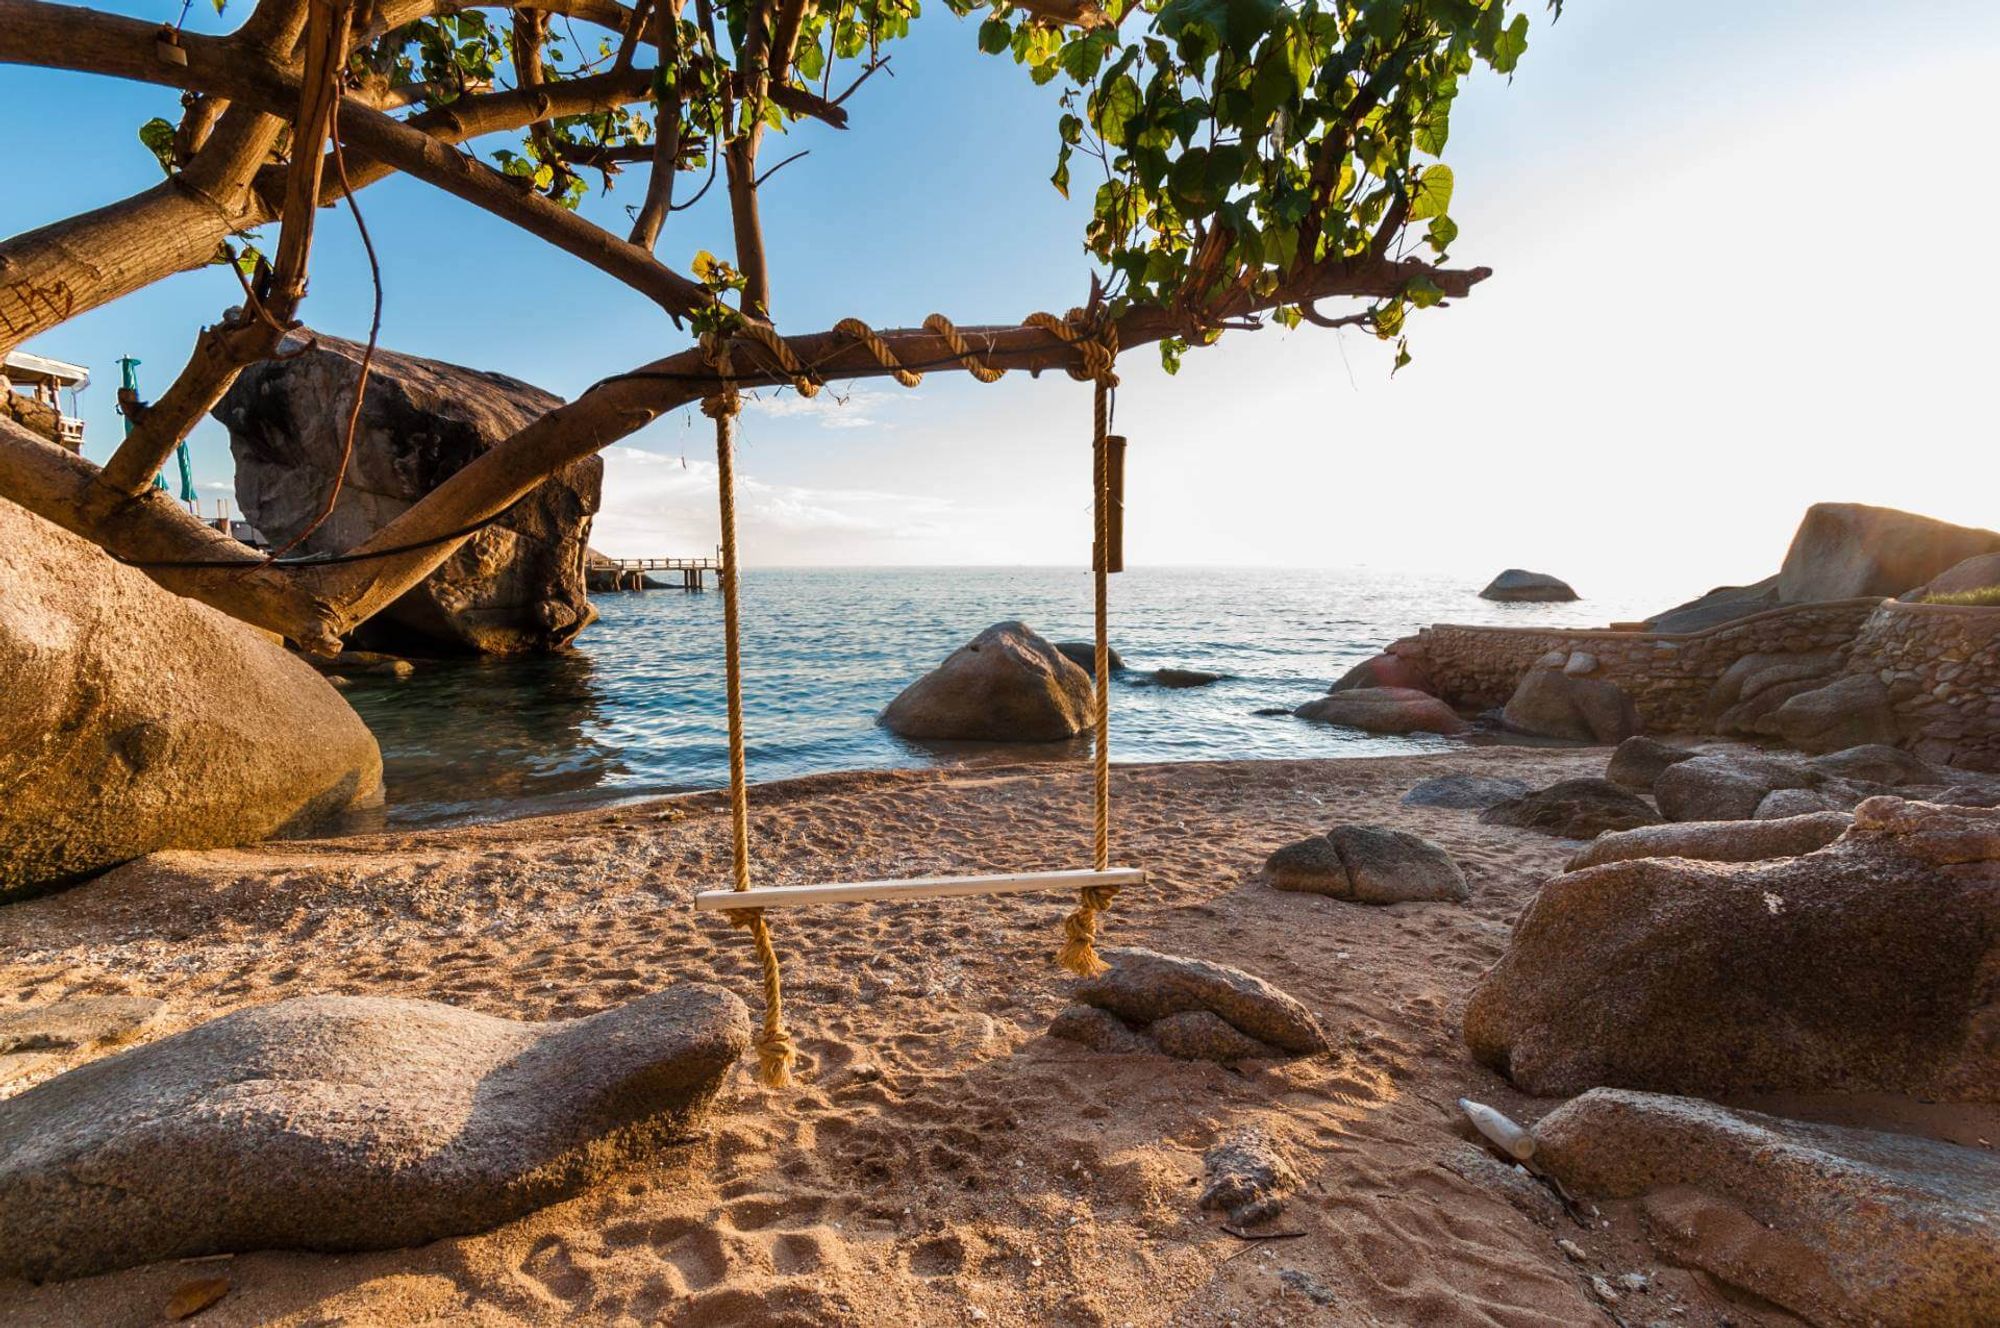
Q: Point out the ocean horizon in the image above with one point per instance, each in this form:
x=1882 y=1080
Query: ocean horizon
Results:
x=635 y=708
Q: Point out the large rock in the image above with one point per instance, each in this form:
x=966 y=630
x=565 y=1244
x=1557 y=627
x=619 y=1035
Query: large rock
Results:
x=1144 y=986
x=1005 y=685
x=80 y=1021
x=1639 y=762
x=1718 y=606
x=1848 y=550
x=1716 y=841
x=1877 y=763
x=1083 y=654
x=518 y=585
x=1850 y=712
x=346 y=1123
x=1981 y=572
x=1515 y=586
x=1574 y=809
x=1728 y=786
x=135 y=720
x=1384 y=710
x=1866 y=966
x=1368 y=864
x=1560 y=701
x=1752 y=688
x=1839 y=1225
x=1390 y=670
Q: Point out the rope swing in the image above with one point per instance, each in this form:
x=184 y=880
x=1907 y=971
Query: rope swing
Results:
x=1096 y=341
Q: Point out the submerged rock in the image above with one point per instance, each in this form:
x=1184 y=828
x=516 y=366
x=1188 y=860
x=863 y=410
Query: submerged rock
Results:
x=1368 y=864
x=1836 y=1224
x=1515 y=586
x=346 y=1123
x=1184 y=677
x=1006 y=685
x=1574 y=809
x=1390 y=670
x=135 y=720
x=1384 y=710
x=1083 y=654
x=516 y=586
x=1862 y=967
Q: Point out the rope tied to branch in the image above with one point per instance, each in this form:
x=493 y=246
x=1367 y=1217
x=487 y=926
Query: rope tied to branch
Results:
x=774 y=1043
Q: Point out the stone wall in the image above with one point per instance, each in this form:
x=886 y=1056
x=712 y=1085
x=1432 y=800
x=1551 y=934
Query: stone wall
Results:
x=1941 y=664
x=1671 y=676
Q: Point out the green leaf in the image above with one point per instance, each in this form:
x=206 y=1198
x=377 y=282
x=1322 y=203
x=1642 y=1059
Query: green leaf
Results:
x=995 y=36
x=1171 y=350
x=1423 y=292
x=1511 y=45
x=1402 y=355
x=1061 y=178
x=1442 y=231
x=158 y=136
x=1432 y=195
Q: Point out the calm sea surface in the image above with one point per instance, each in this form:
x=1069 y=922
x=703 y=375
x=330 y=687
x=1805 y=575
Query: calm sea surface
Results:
x=637 y=708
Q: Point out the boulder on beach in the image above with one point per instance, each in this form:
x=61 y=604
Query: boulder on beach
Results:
x=1384 y=710
x=77 y=1022
x=516 y=586
x=346 y=1123
x=1837 y=1224
x=1728 y=786
x=1083 y=654
x=1573 y=809
x=1878 y=763
x=1848 y=712
x=1515 y=586
x=1639 y=762
x=1560 y=699
x=1143 y=987
x=1851 y=550
x=1005 y=685
x=1368 y=864
x=137 y=720
x=1750 y=690
x=1389 y=670
x=1463 y=792
x=1863 y=967
x=1716 y=841
x=1980 y=572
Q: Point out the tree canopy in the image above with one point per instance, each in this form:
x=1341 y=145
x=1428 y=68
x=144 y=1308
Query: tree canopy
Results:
x=1245 y=160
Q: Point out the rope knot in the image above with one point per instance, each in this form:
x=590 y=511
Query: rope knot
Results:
x=1094 y=337
x=1079 y=949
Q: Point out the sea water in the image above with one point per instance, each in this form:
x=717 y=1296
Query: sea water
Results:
x=636 y=708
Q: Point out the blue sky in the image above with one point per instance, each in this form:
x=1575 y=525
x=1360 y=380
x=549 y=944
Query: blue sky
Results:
x=1740 y=254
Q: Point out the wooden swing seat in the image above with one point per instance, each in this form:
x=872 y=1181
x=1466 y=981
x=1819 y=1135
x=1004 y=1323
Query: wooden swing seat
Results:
x=921 y=887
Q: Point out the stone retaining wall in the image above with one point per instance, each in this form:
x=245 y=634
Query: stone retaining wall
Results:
x=1941 y=664
x=1669 y=675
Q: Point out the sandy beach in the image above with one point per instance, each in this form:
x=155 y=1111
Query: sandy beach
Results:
x=942 y=1160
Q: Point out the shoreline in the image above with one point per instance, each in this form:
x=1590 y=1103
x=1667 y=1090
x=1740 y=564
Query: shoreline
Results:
x=941 y=1153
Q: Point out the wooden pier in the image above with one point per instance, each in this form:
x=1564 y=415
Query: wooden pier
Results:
x=634 y=574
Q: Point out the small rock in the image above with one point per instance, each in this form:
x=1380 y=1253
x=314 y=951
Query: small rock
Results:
x=1580 y=664
x=1464 y=792
x=1574 y=809
x=1368 y=864
x=81 y=1021
x=191 y=1298
x=1639 y=761
x=1314 y=1290
x=1197 y=1035
x=1384 y=710
x=1572 y=1249
x=1099 y=1030
x=1249 y=1180
x=1144 y=986
x=1603 y=1290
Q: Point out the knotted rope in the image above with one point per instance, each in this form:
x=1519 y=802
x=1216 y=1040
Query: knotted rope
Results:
x=774 y=1044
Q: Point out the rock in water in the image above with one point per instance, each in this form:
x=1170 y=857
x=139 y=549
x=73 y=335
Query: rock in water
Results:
x=1559 y=700
x=1083 y=654
x=1005 y=685
x=1369 y=864
x=1515 y=586
x=1849 y=550
x=136 y=720
x=1389 y=670
x=1185 y=677
x=1573 y=809
x=346 y=1123
x=1839 y=1225
x=1865 y=966
x=1384 y=710
x=1639 y=762
x=1717 y=841
x=516 y=586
